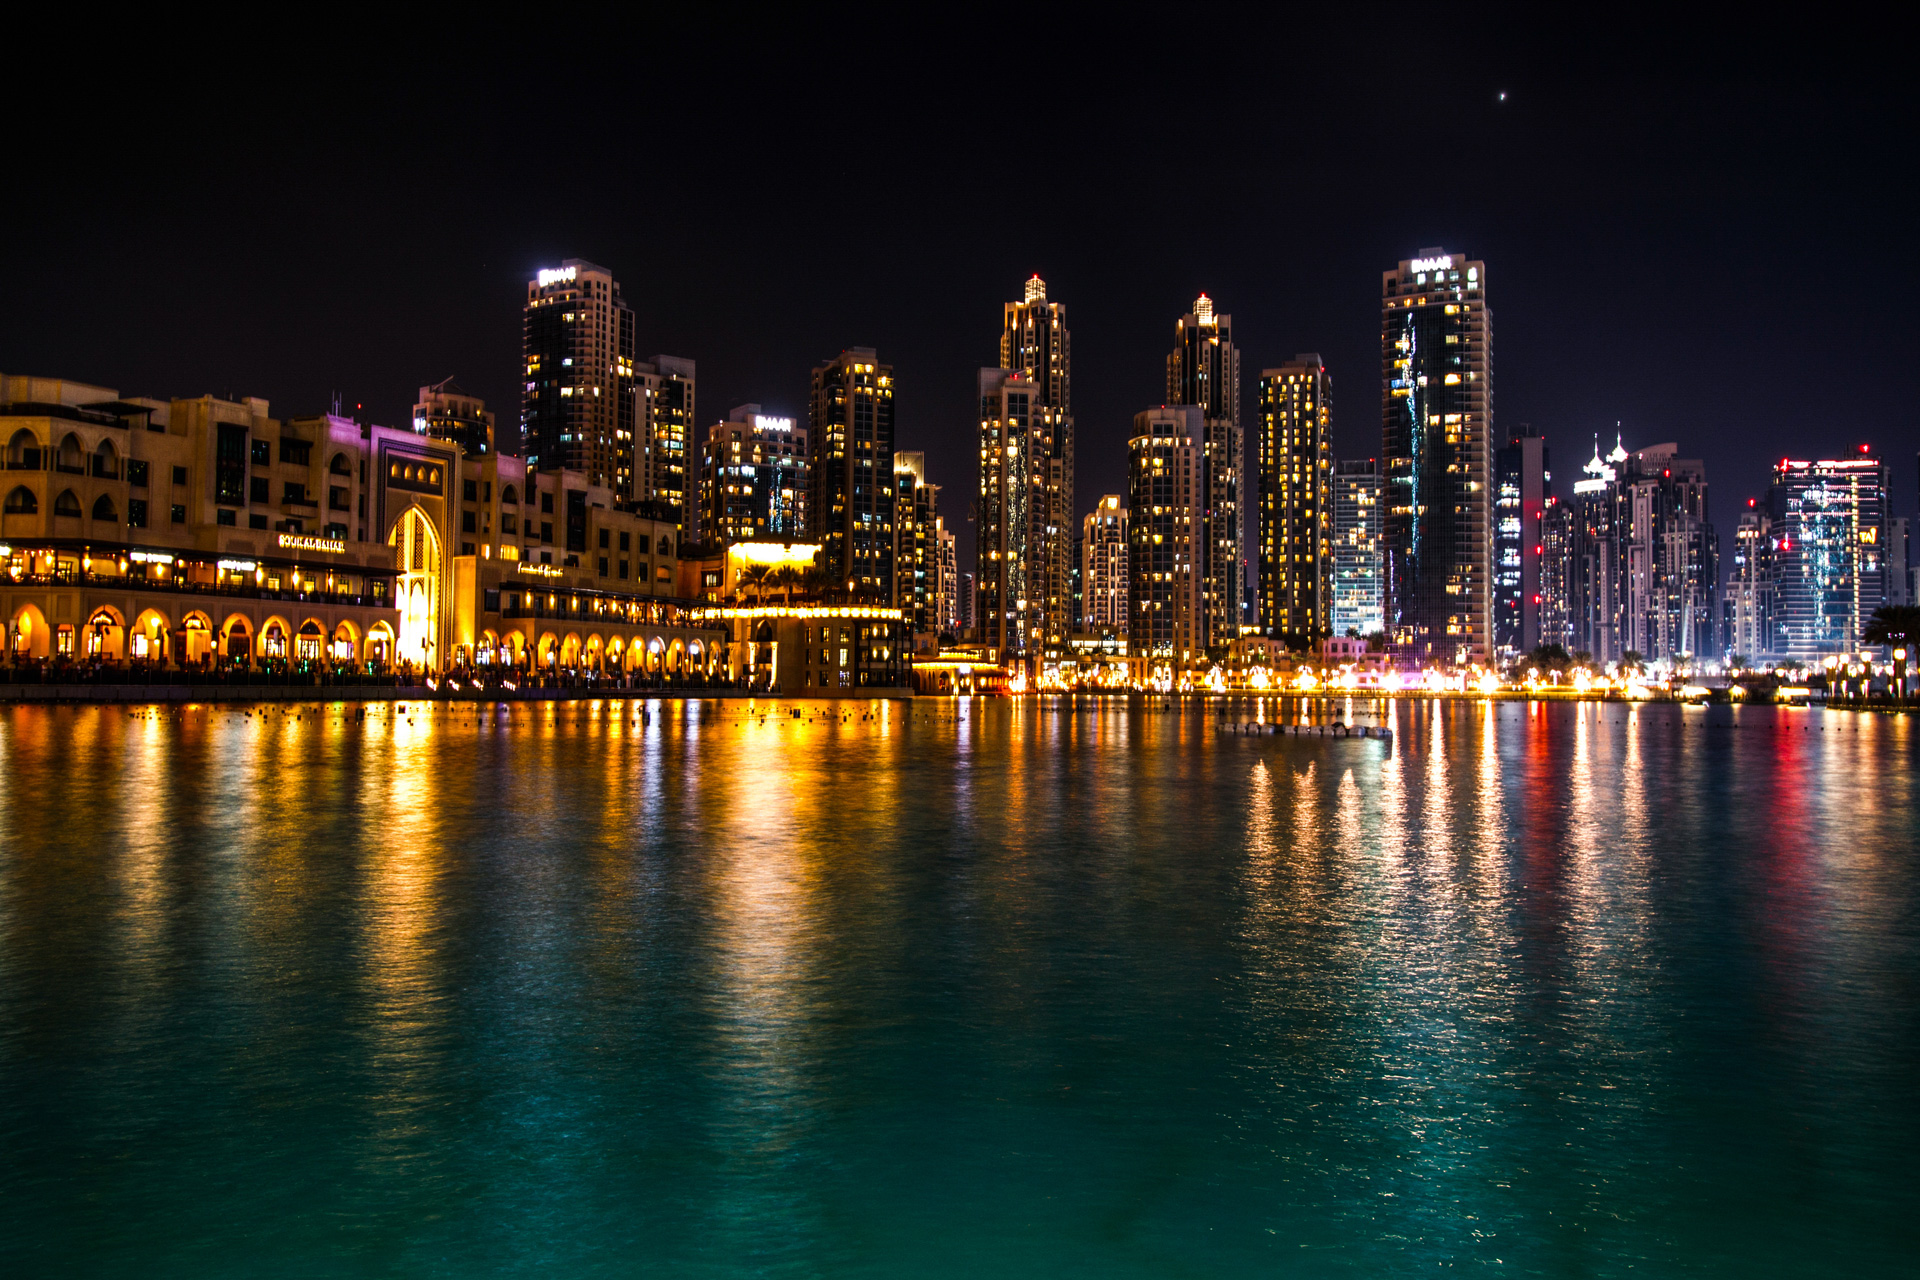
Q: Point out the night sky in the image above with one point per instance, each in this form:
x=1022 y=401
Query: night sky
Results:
x=1702 y=235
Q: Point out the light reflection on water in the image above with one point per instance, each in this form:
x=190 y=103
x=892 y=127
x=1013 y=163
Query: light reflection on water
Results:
x=1063 y=987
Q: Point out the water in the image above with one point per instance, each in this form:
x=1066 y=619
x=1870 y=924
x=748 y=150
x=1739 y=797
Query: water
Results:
x=997 y=989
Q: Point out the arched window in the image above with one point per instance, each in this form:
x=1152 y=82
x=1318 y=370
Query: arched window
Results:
x=66 y=504
x=103 y=509
x=70 y=457
x=21 y=501
x=509 y=496
x=340 y=466
x=105 y=462
x=23 y=452
x=666 y=546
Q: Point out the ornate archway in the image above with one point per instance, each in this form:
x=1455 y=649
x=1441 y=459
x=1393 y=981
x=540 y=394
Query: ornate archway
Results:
x=416 y=546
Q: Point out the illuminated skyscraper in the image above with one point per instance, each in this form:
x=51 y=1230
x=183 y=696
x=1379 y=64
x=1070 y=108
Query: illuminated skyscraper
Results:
x=448 y=411
x=1751 y=585
x=850 y=470
x=1103 y=567
x=946 y=591
x=666 y=468
x=753 y=478
x=1203 y=370
x=1520 y=501
x=1830 y=519
x=1436 y=399
x=1356 y=547
x=1034 y=342
x=1295 y=500
x=1167 y=617
x=1013 y=509
x=1669 y=557
x=915 y=571
x=580 y=406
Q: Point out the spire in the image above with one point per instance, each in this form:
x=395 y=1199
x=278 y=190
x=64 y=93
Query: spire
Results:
x=1036 y=289
x=1203 y=309
x=1619 y=453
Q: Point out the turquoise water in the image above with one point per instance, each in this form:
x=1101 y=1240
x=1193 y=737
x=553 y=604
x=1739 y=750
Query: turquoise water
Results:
x=998 y=989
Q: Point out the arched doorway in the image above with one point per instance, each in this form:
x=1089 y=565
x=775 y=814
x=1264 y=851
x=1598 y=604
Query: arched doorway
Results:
x=106 y=635
x=147 y=642
x=417 y=556
x=196 y=638
x=239 y=641
x=345 y=644
x=379 y=645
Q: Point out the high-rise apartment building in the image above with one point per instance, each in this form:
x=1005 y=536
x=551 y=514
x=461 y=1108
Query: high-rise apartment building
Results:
x=1035 y=342
x=850 y=470
x=1103 y=567
x=1436 y=426
x=1011 y=530
x=915 y=569
x=1669 y=557
x=753 y=478
x=666 y=462
x=946 y=590
x=1356 y=547
x=1293 y=551
x=1586 y=608
x=1203 y=370
x=1167 y=616
x=448 y=411
x=580 y=406
x=1524 y=483
x=1751 y=582
x=964 y=607
x=1899 y=561
x=1830 y=519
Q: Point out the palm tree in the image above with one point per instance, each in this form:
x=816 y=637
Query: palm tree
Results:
x=755 y=577
x=1894 y=625
x=785 y=577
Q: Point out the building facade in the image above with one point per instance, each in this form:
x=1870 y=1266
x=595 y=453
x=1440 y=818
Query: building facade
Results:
x=1035 y=342
x=1012 y=510
x=753 y=479
x=1524 y=482
x=666 y=464
x=1168 y=621
x=915 y=565
x=1356 y=547
x=1103 y=568
x=946 y=591
x=1293 y=551
x=1203 y=370
x=850 y=470
x=1436 y=377
x=580 y=409
x=211 y=534
x=1830 y=519
x=1751 y=583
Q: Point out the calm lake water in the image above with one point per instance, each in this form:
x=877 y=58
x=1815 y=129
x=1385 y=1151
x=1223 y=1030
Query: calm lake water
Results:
x=995 y=989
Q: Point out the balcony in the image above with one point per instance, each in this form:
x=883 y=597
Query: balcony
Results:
x=180 y=586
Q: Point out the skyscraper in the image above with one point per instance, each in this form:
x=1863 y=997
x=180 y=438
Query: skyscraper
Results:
x=1356 y=547
x=1011 y=531
x=448 y=411
x=946 y=590
x=753 y=478
x=580 y=407
x=1669 y=557
x=1167 y=617
x=1436 y=398
x=666 y=465
x=1830 y=520
x=1295 y=500
x=1204 y=370
x=915 y=571
x=1751 y=582
x=850 y=470
x=1103 y=567
x=1520 y=500
x=1035 y=342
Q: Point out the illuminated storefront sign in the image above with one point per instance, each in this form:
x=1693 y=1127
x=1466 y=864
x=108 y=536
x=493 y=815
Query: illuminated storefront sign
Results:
x=308 y=542
x=538 y=570
x=1442 y=263
x=237 y=566
x=150 y=557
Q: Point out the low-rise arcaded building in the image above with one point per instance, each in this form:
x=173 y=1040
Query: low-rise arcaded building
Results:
x=205 y=532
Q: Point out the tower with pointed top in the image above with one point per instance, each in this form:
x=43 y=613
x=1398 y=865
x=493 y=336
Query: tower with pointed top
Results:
x=1204 y=370
x=1035 y=345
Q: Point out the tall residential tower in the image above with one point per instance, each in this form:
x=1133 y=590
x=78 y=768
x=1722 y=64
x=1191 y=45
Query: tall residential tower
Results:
x=850 y=470
x=1436 y=406
x=1035 y=342
x=1295 y=543
x=1204 y=370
